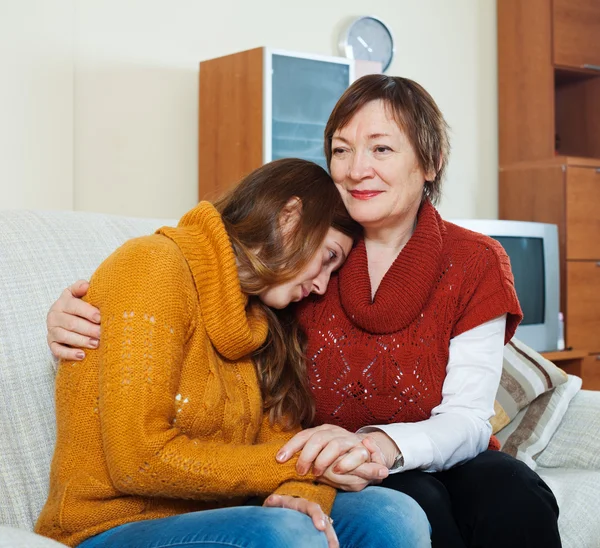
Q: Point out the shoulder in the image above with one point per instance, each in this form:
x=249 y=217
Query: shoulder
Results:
x=471 y=247
x=487 y=283
x=460 y=237
x=149 y=262
x=155 y=250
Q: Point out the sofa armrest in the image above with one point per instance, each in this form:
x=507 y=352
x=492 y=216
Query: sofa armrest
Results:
x=575 y=443
x=10 y=537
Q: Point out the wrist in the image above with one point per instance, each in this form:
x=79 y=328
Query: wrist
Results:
x=391 y=452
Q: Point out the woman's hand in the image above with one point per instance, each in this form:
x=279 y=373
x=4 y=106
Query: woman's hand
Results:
x=322 y=446
x=320 y=520
x=369 y=473
x=73 y=324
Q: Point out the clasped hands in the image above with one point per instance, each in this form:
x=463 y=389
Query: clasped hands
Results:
x=340 y=458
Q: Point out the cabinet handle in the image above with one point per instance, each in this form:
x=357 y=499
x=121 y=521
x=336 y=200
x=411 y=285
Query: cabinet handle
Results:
x=591 y=67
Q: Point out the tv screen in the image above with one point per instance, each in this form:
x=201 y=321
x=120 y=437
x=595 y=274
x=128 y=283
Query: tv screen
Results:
x=527 y=263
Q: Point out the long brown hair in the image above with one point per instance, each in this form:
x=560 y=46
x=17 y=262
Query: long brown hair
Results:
x=251 y=214
x=415 y=112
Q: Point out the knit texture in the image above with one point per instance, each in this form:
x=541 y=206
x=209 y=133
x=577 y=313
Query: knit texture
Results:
x=166 y=416
x=383 y=360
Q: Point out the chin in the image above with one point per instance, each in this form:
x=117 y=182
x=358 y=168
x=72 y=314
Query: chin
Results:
x=366 y=214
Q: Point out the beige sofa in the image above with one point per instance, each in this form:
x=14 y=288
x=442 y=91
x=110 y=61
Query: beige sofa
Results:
x=43 y=252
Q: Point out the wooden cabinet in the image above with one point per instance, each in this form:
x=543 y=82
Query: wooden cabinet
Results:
x=582 y=318
x=576 y=41
x=580 y=363
x=259 y=105
x=549 y=144
x=583 y=213
x=564 y=192
x=591 y=372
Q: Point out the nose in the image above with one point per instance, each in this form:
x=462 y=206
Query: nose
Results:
x=321 y=282
x=360 y=166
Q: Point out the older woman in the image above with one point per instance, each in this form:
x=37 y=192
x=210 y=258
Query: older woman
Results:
x=407 y=343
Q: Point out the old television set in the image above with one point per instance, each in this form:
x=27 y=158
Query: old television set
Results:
x=533 y=252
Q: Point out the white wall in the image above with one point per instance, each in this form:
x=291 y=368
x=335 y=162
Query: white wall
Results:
x=36 y=104
x=136 y=83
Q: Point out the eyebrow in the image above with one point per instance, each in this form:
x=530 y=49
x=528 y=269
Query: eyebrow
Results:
x=370 y=137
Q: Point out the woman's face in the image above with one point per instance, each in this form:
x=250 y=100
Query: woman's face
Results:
x=315 y=275
x=376 y=170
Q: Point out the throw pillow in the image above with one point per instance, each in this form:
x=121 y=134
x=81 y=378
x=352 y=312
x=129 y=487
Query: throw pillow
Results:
x=531 y=430
x=525 y=376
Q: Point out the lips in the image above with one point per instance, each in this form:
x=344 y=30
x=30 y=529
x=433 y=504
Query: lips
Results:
x=365 y=194
x=305 y=292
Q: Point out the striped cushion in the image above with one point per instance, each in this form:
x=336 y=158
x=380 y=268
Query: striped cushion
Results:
x=530 y=431
x=525 y=376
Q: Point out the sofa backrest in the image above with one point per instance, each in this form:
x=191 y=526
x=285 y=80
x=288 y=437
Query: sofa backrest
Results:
x=41 y=253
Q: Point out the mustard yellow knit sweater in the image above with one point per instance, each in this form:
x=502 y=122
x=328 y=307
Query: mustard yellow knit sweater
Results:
x=166 y=416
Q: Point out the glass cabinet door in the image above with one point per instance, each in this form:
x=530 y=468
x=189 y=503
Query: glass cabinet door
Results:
x=304 y=92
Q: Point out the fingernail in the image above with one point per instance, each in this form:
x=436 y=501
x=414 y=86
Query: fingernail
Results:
x=337 y=470
x=80 y=355
x=94 y=343
x=280 y=456
x=323 y=524
x=383 y=473
x=96 y=318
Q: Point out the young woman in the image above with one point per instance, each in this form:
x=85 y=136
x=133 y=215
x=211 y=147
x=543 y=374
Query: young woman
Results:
x=171 y=425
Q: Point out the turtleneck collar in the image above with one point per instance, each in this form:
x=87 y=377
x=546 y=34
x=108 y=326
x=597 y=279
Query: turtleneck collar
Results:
x=203 y=240
x=405 y=287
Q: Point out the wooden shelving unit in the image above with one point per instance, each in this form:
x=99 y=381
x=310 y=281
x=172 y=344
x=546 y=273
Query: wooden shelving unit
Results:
x=549 y=148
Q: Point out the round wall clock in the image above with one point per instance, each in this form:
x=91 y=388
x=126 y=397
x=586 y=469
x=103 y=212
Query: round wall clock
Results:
x=370 y=39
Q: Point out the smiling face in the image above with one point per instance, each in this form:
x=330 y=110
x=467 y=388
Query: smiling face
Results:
x=376 y=170
x=314 y=277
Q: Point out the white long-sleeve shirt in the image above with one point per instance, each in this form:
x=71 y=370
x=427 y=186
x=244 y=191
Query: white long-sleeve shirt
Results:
x=459 y=428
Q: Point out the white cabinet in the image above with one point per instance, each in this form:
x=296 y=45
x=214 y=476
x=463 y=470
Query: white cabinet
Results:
x=260 y=105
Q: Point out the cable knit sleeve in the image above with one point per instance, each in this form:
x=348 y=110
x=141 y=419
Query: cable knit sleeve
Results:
x=147 y=298
x=306 y=488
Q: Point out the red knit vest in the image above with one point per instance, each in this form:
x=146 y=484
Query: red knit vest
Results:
x=384 y=360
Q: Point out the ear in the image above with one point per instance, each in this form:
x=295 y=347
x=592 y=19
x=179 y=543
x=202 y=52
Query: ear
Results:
x=432 y=174
x=290 y=215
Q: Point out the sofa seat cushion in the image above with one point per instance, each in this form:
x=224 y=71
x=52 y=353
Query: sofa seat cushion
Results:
x=578 y=498
x=11 y=537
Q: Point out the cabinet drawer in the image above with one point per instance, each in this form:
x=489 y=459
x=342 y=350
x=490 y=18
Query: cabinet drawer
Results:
x=583 y=213
x=583 y=305
x=576 y=27
x=591 y=372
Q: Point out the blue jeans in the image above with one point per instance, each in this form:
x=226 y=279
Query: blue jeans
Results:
x=374 y=517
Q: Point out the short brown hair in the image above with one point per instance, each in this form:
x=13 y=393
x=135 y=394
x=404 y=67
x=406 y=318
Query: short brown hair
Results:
x=415 y=112
x=251 y=214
